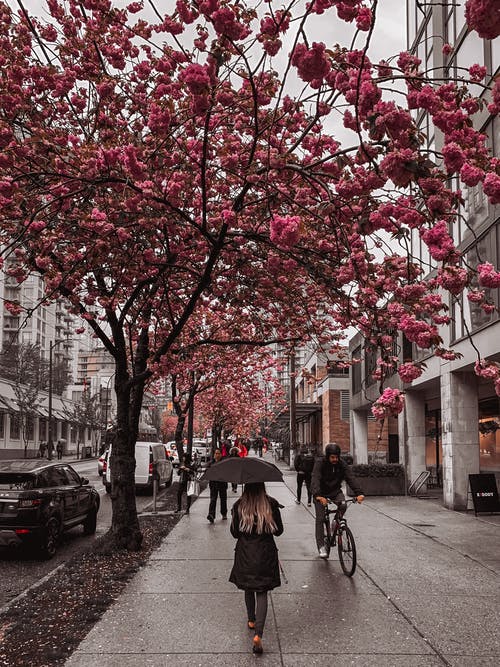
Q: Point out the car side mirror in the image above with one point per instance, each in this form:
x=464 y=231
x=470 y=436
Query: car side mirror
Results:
x=84 y=481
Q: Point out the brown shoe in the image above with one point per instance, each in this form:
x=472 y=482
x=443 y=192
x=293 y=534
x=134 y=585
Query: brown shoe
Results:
x=251 y=625
x=257 y=645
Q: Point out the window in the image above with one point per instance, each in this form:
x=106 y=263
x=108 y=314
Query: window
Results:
x=14 y=426
x=71 y=476
x=56 y=477
x=344 y=406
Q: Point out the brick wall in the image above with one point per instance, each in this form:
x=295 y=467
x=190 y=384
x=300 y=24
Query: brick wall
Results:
x=334 y=428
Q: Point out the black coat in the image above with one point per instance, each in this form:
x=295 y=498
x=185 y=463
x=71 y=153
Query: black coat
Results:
x=216 y=486
x=327 y=478
x=256 y=565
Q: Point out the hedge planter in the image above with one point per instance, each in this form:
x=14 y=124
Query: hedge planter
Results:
x=379 y=479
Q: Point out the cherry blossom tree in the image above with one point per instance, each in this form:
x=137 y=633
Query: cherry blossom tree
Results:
x=159 y=167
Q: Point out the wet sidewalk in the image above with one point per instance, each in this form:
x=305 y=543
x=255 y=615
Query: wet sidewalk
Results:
x=426 y=593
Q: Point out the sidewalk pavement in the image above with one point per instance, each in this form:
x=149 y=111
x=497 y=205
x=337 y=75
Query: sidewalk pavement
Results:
x=426 y=593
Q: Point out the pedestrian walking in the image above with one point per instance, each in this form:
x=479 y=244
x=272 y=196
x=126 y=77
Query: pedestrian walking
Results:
x=187 y=472
x=59 y=450
x=225 y=447
x=42 y=447
x=50 y=450
x=304 y=464
x=234 y=451
x=217 y=489
x=256 y=519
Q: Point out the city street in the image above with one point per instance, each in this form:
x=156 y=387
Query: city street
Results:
x=20 y=570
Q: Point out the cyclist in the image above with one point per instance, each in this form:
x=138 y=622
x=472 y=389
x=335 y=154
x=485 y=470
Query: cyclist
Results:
x=328 y=474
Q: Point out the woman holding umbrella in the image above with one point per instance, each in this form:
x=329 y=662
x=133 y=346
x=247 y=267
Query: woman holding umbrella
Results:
x=256 y=519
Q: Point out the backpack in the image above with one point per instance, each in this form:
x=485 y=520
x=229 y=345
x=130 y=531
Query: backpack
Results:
x=307 y=463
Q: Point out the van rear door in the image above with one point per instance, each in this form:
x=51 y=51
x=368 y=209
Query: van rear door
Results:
x=142 y=462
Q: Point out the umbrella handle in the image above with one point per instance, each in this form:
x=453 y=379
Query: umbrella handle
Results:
x=282 y=572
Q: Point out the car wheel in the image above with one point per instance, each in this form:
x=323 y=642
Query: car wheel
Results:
x=50 y=539
x=90 y=523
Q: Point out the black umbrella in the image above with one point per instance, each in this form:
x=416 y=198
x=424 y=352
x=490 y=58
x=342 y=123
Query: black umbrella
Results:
x=242 y=471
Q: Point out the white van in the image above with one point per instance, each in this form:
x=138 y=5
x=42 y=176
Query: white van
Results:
x=146 y=454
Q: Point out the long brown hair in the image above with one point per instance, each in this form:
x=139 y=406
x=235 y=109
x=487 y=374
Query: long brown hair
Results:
x=255 y=510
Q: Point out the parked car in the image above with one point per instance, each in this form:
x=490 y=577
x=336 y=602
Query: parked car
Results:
x=202 y=450
x=102 y=462
x=172 y=453
x=146 y=455
x=39 y=500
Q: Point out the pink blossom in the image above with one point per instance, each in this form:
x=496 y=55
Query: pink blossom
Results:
x=285 y=230
x=196 y=78
x=454 y=157
x=453 y=278
x=447 y=49
x=477 y=72
x=471 y=175
x=390 y=403
x=491 y=185
x=364 y=19
x=483 y=16
x=438 y=241
x=486 y=369
x=226 y=23
x=312 y=64
x=488 y=277
x=409 y=372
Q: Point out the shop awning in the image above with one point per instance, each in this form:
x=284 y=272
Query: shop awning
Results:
x=303 y=412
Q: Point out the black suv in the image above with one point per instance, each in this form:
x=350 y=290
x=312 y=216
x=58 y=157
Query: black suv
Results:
x=39 y=500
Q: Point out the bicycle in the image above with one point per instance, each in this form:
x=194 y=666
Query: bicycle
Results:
x=337 y=532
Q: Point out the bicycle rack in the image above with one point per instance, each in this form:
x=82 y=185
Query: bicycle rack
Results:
x=418 y=483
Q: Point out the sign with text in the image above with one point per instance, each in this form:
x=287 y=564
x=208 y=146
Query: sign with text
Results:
x=484 y=493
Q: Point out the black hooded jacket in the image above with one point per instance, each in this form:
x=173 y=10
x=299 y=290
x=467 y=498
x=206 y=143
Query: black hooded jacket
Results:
x=327 y=478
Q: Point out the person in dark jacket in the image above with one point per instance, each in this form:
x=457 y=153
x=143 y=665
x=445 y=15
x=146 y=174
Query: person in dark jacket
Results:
x=217 y=489
x=328 y=474
x=256 y=519
x=187 y=472
x=304 y=464
x=234 y=451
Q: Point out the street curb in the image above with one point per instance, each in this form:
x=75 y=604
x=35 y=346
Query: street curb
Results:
x=34 y=586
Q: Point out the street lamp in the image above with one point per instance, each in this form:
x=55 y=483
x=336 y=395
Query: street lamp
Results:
x=50 y=441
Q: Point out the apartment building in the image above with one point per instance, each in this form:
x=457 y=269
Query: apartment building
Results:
x=451 y=422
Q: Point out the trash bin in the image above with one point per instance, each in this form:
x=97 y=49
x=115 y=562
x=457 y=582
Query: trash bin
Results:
x=86 y=452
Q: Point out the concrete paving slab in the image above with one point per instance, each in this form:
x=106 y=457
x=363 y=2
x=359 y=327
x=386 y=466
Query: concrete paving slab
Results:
x=176 y=623
x=176 y=660
x=473 y=661
x=361 y=660
x=184 y=576
x=456 y=625
x=344 y=624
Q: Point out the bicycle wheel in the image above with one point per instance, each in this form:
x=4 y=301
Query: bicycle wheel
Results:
x=347 y=551
x=327 y=536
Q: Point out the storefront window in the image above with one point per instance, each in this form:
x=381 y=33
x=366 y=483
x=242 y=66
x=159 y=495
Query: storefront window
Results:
x=489 y=434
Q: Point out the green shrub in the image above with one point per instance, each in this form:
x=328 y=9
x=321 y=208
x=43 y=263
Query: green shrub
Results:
x=378 y=470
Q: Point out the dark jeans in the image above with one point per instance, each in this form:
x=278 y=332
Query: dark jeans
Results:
x=257 y=609
x=222 y=493
x=183 y=489
x=320 y=516
x=300 y=481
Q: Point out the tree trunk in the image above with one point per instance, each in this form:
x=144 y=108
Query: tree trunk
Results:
x=125 y=530
x=179 y=432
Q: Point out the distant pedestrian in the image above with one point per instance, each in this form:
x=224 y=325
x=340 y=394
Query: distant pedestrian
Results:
x=50 y=450
x=217 y=489
x=234 y=451
x=260 y=446
x=304 y=464
x=187 y=472
x=59 y=450
x=42 y=448
x=225 y=447
x=255 y=520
